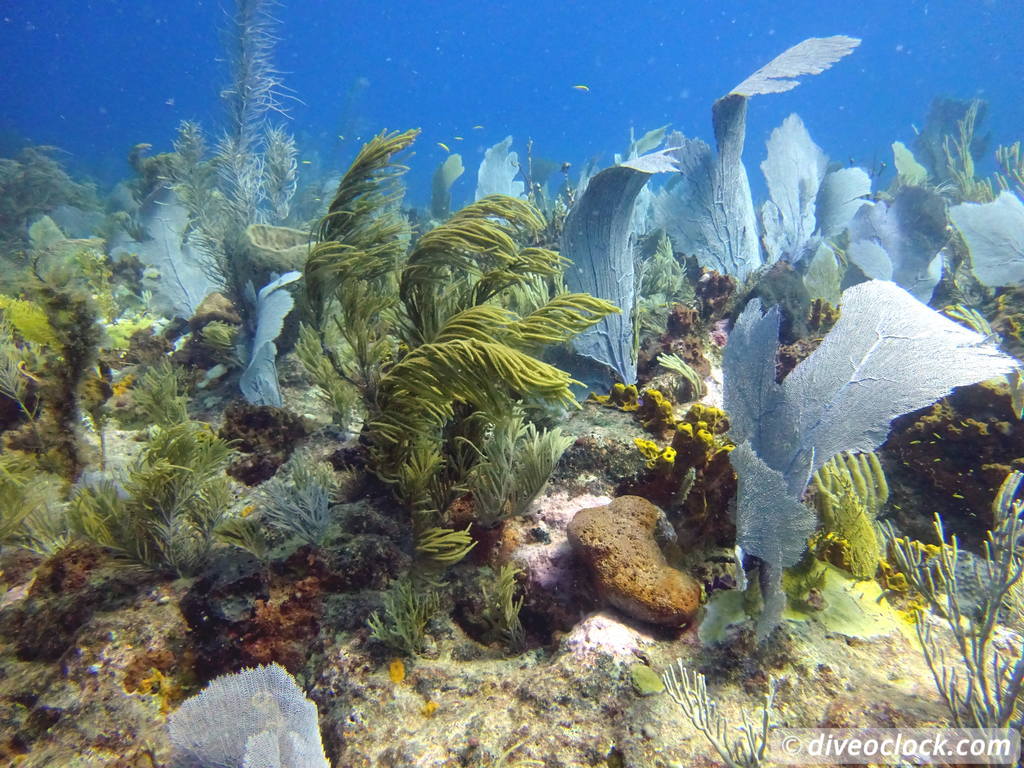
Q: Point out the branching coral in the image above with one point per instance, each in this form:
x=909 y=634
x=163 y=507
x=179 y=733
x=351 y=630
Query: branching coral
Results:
x=502 y=607
x=689 y=689
x=159 y=398
x=984 y=687
x=298 y=500
x=443 y=546
x=662 y=284
x=1011 y=167
x=407 y=611
x=31 y=506
x=351 y=275
x=959 y=151
x=249 y=176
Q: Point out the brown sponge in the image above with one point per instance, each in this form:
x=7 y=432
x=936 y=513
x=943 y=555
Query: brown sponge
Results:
x=617 y=542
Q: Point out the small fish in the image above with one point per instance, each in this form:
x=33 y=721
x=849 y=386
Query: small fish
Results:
x=307 y=162
x=443 y=146
x=584 y=88
x=170 y=102
x=458 y=138
x=340 y=137
x=478 y=128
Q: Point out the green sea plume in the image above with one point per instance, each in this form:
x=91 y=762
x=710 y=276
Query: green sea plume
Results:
x=165 y=515
x=424 y=335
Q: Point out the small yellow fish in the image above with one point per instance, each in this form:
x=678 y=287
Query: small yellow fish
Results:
x=307 y=162
x=443 y=146
x=584 y=88
x=478 y=127
x=340 y=137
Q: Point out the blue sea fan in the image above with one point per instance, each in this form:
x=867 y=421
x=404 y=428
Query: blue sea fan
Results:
x=597 y=241
x=256 y=718
x=259 y=383
x=888 y=355
x=994 y=233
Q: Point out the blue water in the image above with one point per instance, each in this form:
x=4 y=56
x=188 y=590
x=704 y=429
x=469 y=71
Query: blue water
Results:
x=95 y=78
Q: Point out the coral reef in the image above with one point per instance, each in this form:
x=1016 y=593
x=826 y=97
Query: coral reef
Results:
x=264 y=436
x=783 y=286
x=67 y=592
x=64 y=325
x=219 y=606
x=715 y=294
x=33 y=184
x=1008 y=321
x=419 y=528
x=691 y=477
x=146 y=348
x=684 y=336
x=952 y=457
